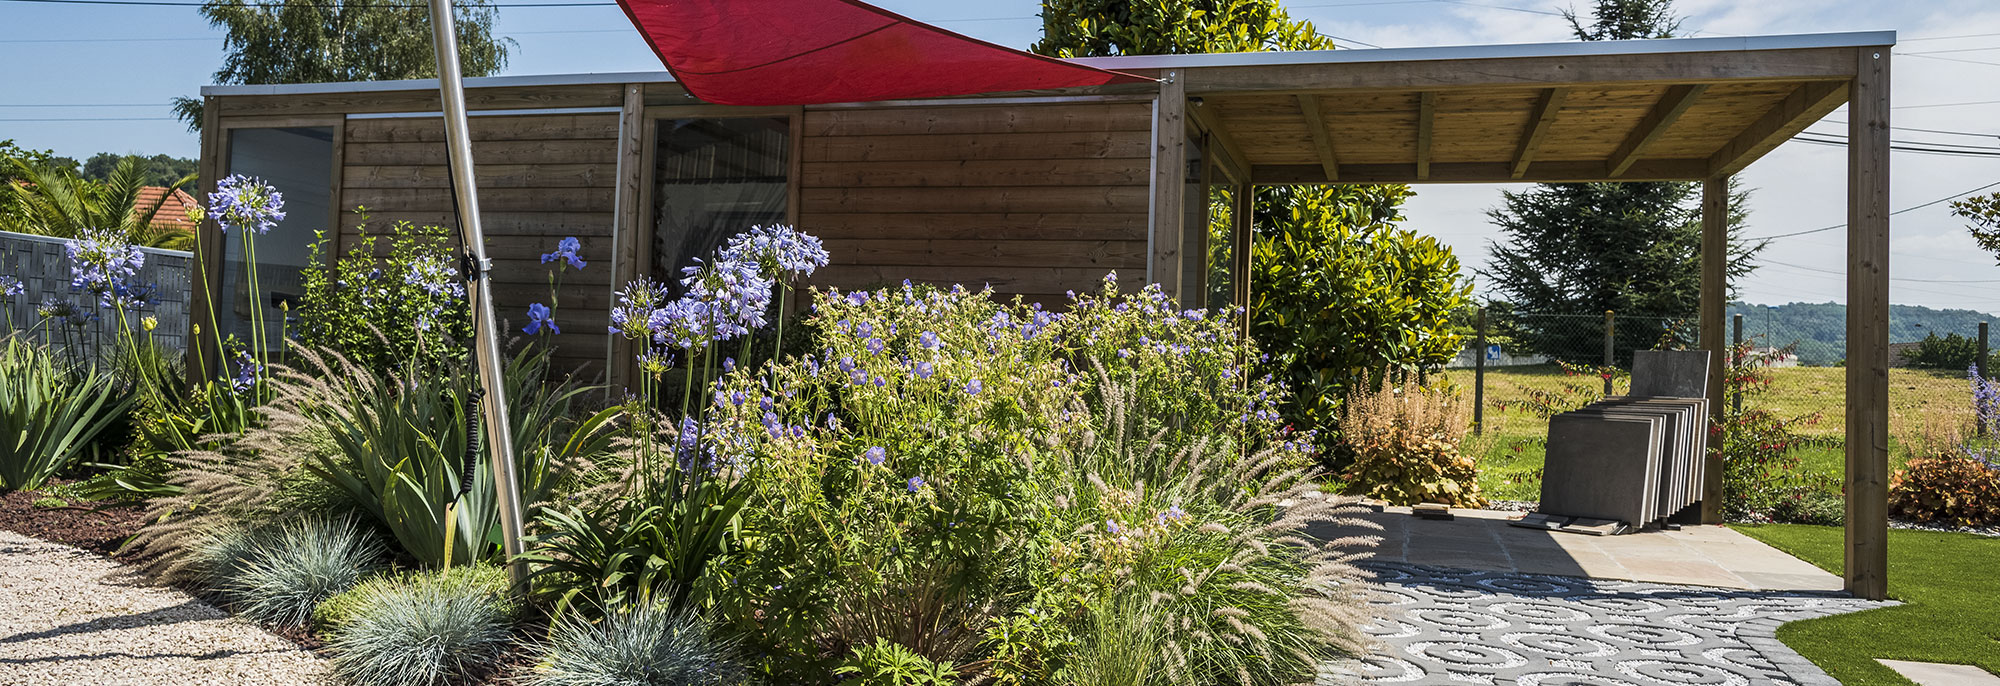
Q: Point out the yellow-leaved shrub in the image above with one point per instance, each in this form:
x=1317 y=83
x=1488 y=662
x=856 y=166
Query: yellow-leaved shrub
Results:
x=1405 y=441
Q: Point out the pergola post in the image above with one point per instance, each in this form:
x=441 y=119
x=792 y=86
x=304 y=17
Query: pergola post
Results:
x=1167 y=213
x=1867 y=558
x=1714 y=300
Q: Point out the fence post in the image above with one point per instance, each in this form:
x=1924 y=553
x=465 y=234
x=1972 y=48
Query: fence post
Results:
x=1736 y=344
x=1479 y=373
x=1610 y=359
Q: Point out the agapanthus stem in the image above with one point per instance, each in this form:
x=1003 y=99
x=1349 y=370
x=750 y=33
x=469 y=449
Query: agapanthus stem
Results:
x=257 y=342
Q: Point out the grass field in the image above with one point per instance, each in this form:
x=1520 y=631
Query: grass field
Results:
x=1950 y=614
x=1511 y=448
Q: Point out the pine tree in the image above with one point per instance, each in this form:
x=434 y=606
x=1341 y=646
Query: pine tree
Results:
x=316 y=41
x=1580 y=249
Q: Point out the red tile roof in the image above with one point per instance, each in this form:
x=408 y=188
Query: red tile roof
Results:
x=173 y=213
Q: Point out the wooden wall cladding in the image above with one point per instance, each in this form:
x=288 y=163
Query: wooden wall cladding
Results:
x=541 y=178
x=1032 y=199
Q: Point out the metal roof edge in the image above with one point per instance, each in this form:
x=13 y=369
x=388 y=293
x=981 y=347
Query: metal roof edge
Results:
x=1851 y=39
x=583 y=79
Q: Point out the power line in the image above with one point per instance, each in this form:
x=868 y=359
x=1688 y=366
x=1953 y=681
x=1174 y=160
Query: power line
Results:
x=1892 y=214
x=1945 y=104
x=1948 y=152
x=1970 y=148
x=1973 y=134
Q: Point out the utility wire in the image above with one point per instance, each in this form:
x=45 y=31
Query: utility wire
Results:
x=1892 y=214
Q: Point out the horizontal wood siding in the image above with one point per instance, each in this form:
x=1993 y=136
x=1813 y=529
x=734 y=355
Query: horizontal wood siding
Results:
x=1033 y=200
x=541 y=178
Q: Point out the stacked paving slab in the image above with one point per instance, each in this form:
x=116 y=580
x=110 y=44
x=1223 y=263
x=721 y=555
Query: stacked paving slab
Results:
x=1627 y=463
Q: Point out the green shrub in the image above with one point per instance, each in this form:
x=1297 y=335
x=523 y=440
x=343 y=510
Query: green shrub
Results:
x=650 y=645
x=276 y=574
x=1405 y=445
x=335 y=613
x=422 y=630
x=886 y=663
x=1952 y=351
x=389 y=302
x=1361 y=301
x=50 y=412
x=945 y=467
x=400 y=446
x=1762 y=480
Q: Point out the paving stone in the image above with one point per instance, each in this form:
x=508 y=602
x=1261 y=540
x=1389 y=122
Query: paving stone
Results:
x=1445 y=626
x=1938 y=674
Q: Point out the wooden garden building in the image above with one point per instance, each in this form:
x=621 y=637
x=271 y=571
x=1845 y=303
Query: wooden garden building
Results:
x=1040 y=192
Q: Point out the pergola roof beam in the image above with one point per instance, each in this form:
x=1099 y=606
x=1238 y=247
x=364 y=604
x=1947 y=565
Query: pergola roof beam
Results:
x=1552 y=171
x=1322 y=138
x=1426 y=116
x=1671 y=106
x=1805 y=105
x=1546 y=106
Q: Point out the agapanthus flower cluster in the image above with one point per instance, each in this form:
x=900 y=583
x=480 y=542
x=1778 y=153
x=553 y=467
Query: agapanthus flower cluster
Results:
x=777 y=250
x=11 y=287
x=246 y=202
x=247 y=371
x=102 y=263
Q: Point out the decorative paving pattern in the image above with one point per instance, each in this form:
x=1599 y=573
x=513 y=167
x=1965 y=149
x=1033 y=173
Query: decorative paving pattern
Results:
x=1441 y=626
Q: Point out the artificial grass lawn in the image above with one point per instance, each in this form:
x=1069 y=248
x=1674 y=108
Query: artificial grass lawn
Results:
x=1510 y=451
x=1950 y=584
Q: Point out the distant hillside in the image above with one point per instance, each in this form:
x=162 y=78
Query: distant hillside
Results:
x=1820 y=329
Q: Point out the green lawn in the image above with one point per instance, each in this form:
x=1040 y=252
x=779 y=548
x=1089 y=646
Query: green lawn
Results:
x=1950 y=584
x=1510 y=451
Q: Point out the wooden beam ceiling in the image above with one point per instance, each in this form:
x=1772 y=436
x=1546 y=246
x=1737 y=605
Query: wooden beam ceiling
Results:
x=1550 y=171
x=1546 y=106
x=1670 y=107
x=1805 y=64
x=1238 y=166
x=1797 y=111
x=1322 y=137
x=1426 y=116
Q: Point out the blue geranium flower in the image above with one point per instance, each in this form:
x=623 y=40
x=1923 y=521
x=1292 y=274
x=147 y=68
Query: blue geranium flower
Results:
x=974 y=387
x=916 y=484
x=875 y=455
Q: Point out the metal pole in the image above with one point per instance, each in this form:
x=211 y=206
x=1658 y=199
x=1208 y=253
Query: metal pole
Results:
x=1735 y=348
x=1610 y=357
x=1479 y=375
x=486 y=353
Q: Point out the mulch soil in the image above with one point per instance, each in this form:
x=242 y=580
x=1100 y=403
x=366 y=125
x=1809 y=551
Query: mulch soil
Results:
x=101 y=527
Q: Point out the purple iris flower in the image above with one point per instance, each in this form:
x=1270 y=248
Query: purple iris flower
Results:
x=566 y=250
x=539 y=317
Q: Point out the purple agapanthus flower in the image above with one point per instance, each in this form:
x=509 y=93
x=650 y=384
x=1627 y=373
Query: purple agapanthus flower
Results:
x=10 y=287
x=566 y=250
x=733 y=297
x=247 y=369
x=875 y=455
x=100 y=261
x=777 y=251
x=247 y=203
x=633 y=314
x=916 y=484
x=538 y=318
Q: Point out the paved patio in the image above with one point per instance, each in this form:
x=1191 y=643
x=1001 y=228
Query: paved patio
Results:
x=1438 y=626
x=1711 y=556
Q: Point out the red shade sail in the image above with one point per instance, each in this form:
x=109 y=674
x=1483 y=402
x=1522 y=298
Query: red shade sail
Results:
x=804 y=52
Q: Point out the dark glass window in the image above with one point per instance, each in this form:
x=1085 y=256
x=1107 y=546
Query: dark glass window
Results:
x=299 y=163
x=713 y=178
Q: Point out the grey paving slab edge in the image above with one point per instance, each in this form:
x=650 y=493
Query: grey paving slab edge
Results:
x=1440 y=625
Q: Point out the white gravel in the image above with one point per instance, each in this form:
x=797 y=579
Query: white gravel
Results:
x=68 y=616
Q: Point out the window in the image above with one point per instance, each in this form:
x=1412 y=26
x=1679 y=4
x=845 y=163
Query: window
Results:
x=713 y=178
x=299 y=163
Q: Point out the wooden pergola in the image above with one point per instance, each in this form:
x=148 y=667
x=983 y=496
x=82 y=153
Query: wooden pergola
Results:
x=1659 y=110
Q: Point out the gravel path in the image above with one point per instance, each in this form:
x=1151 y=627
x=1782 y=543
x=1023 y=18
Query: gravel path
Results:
x=1451 y=626
x=72 y=617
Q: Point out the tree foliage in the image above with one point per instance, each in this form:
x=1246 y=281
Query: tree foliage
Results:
x=314 y=41
x=49 y=200
x=1984 y=214
x=1633 y=248
x=158 y=170
x=1340 y=295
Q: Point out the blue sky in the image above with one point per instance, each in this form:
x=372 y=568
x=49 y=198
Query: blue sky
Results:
x=128 y=61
